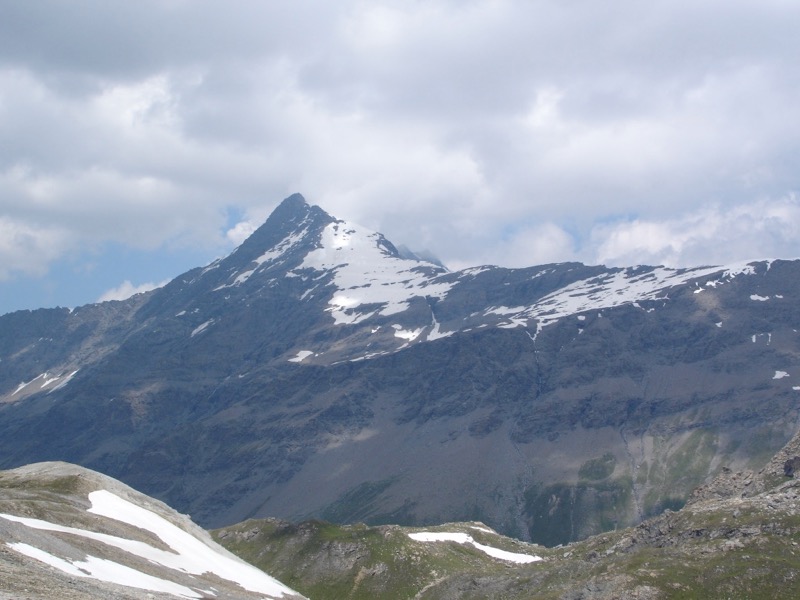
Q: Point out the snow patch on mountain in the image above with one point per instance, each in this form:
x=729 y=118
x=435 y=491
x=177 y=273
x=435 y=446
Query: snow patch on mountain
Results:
x=436 y=332
x=202 y=327
x=106 y=570
x=368 y=277
x=45 y=382
x=464 y=538
x=274 y=256
x=187 y=553
x=301 y=356
x=407 y=334
x=609 y=290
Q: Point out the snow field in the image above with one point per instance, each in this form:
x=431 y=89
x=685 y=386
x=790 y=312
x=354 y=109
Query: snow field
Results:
x=188 y=554
x=464 y=538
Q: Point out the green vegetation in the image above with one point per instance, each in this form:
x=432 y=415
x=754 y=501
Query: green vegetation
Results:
x=560 y=513
x=69 y=484
x=737 y=548
x=325 y=561
x=676 y=470
x=598 y=468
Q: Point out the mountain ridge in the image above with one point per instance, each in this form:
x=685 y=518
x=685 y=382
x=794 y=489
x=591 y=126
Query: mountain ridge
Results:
x=70 y=532
x=314 y=357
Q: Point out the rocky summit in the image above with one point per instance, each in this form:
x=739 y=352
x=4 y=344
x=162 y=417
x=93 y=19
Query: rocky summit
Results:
x=317 y=371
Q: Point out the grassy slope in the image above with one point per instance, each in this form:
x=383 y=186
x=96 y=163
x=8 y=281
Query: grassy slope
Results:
x=738 y=538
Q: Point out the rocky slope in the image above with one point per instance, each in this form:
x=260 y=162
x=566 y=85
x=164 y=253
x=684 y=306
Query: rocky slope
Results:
x=316 y=372
x=67 y=532
x=737 y=538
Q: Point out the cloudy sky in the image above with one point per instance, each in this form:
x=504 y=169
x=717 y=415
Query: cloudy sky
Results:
x=140 y=139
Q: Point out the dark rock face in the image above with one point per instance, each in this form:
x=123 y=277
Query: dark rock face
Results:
x=315 y=371
x=791 y=466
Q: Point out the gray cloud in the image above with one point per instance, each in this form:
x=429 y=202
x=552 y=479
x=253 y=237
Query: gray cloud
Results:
x=509 y=132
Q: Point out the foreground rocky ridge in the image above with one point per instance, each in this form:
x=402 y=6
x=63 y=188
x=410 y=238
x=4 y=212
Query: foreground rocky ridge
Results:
x=68 y=532
x=739 y=537
x=316 y=372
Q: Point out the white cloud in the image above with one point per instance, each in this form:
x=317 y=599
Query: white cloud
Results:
x=527 y=246
x=240 y=232
x=482 y=131
x=126 y=289
x=714 y=235
x=27 y=249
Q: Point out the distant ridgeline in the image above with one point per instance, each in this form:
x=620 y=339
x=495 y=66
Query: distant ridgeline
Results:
x=318 y=372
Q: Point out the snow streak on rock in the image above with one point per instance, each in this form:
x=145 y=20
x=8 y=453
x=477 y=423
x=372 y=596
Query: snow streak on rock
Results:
x=275 y=255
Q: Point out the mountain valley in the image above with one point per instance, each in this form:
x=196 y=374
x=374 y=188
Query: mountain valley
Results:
x=69 y=532
x=736 y=538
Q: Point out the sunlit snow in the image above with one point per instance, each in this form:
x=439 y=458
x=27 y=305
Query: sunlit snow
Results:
x=193 y=555
x=463 y=538
x=201 y=328
x=64 y=381
x=483 y=529
x=606 y=290
x=436 y=333
x=271 y=256
x=188 y=554
x=108 y=571
x=780 y=375
x=407 y=334
x=367 y=275
x=46 y=380
x=301 y=356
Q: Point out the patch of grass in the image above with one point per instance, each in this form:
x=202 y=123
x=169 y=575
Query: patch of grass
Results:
x=561 y=513
x=692 y=559
x=69 y=484
x=674 y=473
x=598 y=468
x=326 y=561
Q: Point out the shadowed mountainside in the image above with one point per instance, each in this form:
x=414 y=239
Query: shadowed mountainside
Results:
x=316 y=372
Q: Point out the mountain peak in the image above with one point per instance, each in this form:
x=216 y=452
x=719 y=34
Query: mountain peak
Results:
x=292 y=208
x=296 y=209
x=292 y=216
